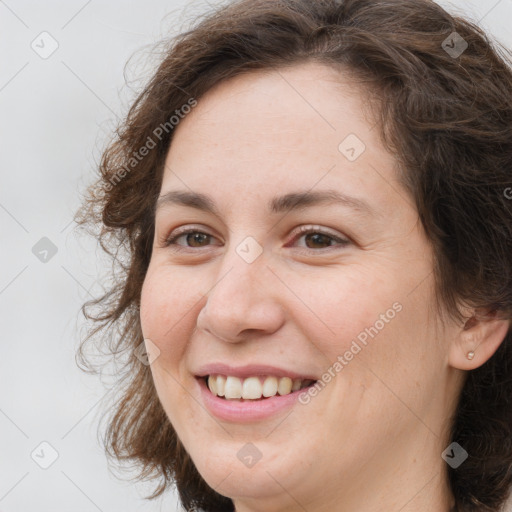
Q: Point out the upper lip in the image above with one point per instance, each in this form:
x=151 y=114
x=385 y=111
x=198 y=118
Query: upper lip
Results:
x=250 y=370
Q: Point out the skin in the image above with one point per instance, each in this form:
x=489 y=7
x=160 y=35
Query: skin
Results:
x=372 y=438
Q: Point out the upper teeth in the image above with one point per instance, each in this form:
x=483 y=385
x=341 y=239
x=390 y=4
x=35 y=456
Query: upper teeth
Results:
x=252 y=387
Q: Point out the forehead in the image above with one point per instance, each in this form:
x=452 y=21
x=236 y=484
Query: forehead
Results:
x=291 y=128
x=309 y=99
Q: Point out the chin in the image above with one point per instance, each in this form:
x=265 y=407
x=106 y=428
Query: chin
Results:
x=234 y=470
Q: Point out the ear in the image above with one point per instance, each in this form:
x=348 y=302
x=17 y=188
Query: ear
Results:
x=481 y=334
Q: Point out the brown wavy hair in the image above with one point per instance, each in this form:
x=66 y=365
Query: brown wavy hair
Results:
x=448 y=120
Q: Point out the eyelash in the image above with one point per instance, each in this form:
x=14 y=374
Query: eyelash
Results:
x=304 y=230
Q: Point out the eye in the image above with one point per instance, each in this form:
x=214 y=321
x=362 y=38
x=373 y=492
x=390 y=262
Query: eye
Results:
x=314 y=238
x=196 y=238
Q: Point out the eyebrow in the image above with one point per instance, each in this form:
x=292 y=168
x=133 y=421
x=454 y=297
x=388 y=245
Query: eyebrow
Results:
x=280 y=204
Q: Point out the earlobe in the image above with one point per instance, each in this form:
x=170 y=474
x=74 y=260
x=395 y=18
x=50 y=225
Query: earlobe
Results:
x=478 y=340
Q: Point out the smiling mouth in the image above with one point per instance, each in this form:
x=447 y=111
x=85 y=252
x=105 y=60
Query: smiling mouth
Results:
x=254 y=388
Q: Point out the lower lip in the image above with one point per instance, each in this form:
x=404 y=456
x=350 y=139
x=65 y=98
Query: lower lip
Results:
x=249 y=410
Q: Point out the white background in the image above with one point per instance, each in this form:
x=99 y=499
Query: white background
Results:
x=55 y=116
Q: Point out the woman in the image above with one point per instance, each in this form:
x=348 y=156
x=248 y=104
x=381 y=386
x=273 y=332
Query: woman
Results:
x=312 y=201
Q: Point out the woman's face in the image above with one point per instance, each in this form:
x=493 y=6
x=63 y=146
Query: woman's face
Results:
x=347 y=303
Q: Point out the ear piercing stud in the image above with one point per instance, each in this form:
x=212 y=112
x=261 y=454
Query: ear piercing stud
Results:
x=470 y=355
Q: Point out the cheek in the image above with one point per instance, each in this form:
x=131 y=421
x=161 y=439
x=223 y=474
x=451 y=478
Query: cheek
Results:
x=166 y=308
x=368 y=324
x=336 y=307
x=166 y=319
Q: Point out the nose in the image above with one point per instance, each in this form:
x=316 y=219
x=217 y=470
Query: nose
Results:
x=242 y=302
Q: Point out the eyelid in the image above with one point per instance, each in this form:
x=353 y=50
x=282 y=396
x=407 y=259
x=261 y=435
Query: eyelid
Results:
x=314 y=228
x=341 y=241
x=184 y=230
